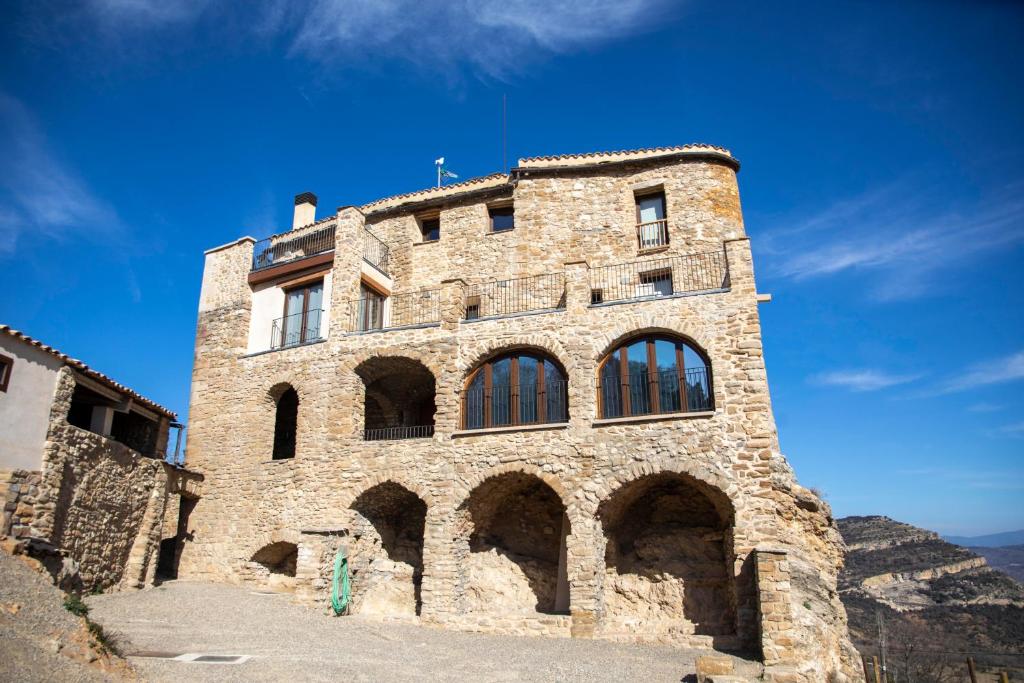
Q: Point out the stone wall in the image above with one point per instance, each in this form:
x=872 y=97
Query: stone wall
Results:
x=568 y=222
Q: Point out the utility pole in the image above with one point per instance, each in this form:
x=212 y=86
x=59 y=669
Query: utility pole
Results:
x=881 y=644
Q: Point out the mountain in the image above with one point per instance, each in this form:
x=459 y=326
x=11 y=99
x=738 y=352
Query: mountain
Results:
x=936 y=601
x=1008 y=559
x=989 y=540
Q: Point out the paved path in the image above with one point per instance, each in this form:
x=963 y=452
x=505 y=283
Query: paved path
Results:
x=289 y=642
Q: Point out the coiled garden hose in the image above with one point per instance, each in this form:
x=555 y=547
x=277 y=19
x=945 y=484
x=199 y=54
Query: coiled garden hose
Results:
x=340 y=595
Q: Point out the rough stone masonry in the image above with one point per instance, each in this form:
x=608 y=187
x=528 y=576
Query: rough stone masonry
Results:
x=388 y=402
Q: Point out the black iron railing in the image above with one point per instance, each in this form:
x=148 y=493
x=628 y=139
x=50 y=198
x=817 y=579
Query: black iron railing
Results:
x=283 y=248
x=401 y=310
x=395 y=433
x=664 y=276
x=514 y=405
x=375 y=252
x=655 y=393
x=519 y=295
x=295 y=329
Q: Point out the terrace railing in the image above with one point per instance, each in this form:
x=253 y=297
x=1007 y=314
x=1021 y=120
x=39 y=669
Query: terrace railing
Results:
x=375 y=252
x=516 y=296
x=652 y=234
x=283 y=248
x=512 y=405
x=655 y=393
x=664 y=276
x=395 y=433
x=295 y=329
x=400 y=310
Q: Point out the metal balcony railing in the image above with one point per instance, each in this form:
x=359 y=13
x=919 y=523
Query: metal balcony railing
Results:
x=652 y=234
x=400 y=310
x=395 y=433
x=664 y=276
x=655 y=393
x=514 y=405
x=375 y=252
x=295 y=329
x=512 y=297
x=284 y=248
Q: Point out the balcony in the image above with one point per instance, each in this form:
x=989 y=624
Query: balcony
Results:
x=654 y=393
x=515 y=297
x=660 y=277
x=296 y=329
x=370 y=313
x=375 y=252
x=526 y=403
x=652 y=235
x=286 y=248
x=398 y=433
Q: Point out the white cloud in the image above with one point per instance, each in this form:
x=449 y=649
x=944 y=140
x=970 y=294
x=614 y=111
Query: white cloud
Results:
x=39 y=195
x=998 y=371
x=1015 y=430
x=862 y=380
x=496 y=38
x=906 y=236
x=984 y=408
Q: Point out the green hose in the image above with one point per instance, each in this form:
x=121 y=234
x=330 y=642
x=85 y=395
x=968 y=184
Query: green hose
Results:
x=340 y=602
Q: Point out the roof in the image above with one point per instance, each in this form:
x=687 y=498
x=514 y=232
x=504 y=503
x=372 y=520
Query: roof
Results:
x=87 y=371
x=497 y=180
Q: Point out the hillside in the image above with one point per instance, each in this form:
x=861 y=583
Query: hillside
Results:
x=937 y=600
x=1007 y=559
x=989 y=540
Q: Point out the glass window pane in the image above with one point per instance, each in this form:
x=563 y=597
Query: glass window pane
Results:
x=527 y=389
x=698 y=387
x=475 y=402
x=556 y=404
x=652 y=208
x=669 y=400
x=639 y=390
x=314 y=303
x=611 y=388
x=502 y=219
x=501 y=392
x=293 y=320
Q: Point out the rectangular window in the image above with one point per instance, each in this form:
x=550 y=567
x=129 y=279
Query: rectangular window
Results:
x=503 y=218
x=430 y=228
x=303 y=307
x=655 y=283
x=6 y=365
x=651 y=225
x=371 y=309
x=472 y=307
x=596 y=296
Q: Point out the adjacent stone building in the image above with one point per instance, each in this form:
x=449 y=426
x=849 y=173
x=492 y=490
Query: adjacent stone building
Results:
x=82 y=475
x=524 y=403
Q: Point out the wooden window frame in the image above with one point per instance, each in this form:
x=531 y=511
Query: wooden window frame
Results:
x=488 y=390
x=6 y=368
x=420 y=223
x=504 y=206
x=620 y=354
x=304 y=287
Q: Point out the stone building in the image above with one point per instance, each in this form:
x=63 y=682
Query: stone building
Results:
x=82 y=475
x=525 y=403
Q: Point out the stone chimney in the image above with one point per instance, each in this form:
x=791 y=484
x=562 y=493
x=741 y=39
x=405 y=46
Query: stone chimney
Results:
x=305 y=209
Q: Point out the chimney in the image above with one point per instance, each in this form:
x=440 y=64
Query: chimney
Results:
x=305 y=209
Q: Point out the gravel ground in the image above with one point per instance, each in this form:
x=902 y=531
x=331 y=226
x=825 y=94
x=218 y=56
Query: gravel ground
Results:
x=39 y=639
x=290 y=642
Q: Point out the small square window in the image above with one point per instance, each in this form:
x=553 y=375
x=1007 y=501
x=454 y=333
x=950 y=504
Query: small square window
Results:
x=597 y=296
x=430 y=228
x=656 y=283
x=503 y=218
x=472 y=307
x=6 y=365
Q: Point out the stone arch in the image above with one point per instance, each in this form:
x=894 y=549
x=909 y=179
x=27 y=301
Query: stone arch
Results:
x=273 y=561
x=669 y=556
x=386 y=549
x=510 y=535
x=605 y=343
x=475 y=353
x=400 y=397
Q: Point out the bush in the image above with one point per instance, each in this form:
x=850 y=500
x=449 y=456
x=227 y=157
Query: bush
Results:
x=73 y=603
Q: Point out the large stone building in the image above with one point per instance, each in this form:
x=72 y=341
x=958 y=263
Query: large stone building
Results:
x=524 y=403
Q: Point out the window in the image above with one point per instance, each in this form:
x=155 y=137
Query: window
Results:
x=502 y=218
x=370 y=314
x=430 y=228
x=286 y=420
x=651 y=225
x=654 y=375
x=655 y=283
x=597 y=296
x=472 y=307
x=516 y=389
x=303 y=306
x=6 y=365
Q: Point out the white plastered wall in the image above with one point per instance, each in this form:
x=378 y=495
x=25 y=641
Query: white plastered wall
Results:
x=25 y=406
x=268 y=306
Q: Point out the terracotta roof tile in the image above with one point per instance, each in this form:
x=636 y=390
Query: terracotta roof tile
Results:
x=628 y=153
x=86 y=370
x=433 y=192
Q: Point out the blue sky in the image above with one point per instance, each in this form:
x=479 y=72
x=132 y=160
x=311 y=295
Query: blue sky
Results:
x=882 y=183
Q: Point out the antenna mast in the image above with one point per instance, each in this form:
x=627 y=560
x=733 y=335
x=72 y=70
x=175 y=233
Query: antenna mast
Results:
x=504 y=136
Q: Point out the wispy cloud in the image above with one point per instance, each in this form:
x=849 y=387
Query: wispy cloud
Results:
x=1015 y=430
x=984 y=408
x=997 y=371
x=861 y=380
x=39 y=194
x=495 y=38
x=905 y=235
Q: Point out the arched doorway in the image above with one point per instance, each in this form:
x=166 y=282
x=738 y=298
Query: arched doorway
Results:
x=398 y=400
x=668 y=558
x=513 y=529
x=386 y=552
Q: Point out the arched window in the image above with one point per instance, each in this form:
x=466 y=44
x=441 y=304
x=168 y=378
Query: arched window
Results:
x=653 y=375
x=285 y=423
x=519 y=388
